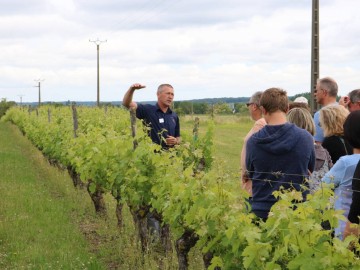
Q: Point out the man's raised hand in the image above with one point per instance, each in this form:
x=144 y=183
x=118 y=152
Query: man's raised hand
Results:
x=137 y=86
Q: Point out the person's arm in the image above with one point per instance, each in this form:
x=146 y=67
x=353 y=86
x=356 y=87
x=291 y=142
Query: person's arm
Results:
x=259 y=124
x=312 y=160
x=246 y=183
x=173 y=140
x=336 y=174
x=170 y=140
x=344 y=101
x=127 y=100
x=319 y=134
x=248 y=160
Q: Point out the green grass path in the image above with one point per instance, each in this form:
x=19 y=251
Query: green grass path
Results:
x=39 y=226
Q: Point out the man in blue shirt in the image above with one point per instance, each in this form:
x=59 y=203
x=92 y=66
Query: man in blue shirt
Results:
x=325 y=94
x=164 y=127
x=163 y=122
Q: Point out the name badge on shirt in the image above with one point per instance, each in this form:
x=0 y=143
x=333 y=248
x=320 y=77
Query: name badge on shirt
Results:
x=161 y=120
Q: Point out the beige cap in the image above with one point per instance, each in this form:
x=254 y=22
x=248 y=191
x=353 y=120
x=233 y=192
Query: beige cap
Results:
x=301 y=100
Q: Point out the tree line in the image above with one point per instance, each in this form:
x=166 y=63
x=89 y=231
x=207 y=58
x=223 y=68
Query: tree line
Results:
x=210 y=106
x=219 y=105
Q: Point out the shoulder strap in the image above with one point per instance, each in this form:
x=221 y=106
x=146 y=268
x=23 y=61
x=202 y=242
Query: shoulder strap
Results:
x=343 y=142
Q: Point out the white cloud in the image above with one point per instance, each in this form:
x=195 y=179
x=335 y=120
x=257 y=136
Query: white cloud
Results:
x=204 y=48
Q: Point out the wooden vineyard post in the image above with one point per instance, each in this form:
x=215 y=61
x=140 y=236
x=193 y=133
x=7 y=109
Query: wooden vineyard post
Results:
x=73 y=174
x=139 y=213
x=119 y=205
x=196 y=128
x=133 y=126
x=49 y=115
x=75 y=119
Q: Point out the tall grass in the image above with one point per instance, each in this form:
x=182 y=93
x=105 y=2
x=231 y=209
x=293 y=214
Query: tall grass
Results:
x=38 y=206
x=229 y=134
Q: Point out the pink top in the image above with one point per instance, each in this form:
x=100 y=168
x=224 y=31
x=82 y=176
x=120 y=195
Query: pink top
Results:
x=246 y=183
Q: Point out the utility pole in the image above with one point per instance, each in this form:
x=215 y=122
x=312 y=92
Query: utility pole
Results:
x=39 y=81
x=314 y=54
x=20 y=99
x=98 y=42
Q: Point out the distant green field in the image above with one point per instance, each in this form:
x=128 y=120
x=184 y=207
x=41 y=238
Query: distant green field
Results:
x=229 y=134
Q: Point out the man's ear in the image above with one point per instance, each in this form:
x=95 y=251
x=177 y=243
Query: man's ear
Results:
x=287 y=109
x=262 y=110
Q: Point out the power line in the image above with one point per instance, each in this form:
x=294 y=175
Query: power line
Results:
x=144 y=17
x=14 y=87
x=20 y=99
x=130 y=19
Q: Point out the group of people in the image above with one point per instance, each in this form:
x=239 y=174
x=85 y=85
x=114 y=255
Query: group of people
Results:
x=289 y=148
x=286 y=147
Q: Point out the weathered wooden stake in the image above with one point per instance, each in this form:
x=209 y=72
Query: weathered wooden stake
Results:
x=75 y=120
x=49 y=115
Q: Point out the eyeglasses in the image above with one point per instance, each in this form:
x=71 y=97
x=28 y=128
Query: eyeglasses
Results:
x=324 y=90
x=248 y=104
x=351 y=104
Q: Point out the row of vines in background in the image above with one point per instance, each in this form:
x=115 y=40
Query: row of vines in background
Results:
x=198 y=201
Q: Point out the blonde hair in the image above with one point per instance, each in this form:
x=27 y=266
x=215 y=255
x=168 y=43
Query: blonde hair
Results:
x=302 y=118
x=332 y=119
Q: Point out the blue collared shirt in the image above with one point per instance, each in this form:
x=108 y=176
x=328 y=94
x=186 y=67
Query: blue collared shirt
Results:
x=161 y=124
x=319 y=133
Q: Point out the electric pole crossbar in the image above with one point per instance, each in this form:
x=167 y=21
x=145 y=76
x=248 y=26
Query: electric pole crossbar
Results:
x=39 y=81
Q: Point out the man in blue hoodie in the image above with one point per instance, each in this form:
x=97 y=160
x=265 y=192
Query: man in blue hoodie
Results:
x=282 y=154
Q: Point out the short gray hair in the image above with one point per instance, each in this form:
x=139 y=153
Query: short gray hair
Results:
x=354 y=96
x=161 y=86
x=255 y=98
x=330 y=85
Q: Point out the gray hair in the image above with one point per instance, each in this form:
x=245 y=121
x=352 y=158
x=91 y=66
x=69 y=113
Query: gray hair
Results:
x=255 y=98
x=161 y=86
x=354 y=95
x=330 y=85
